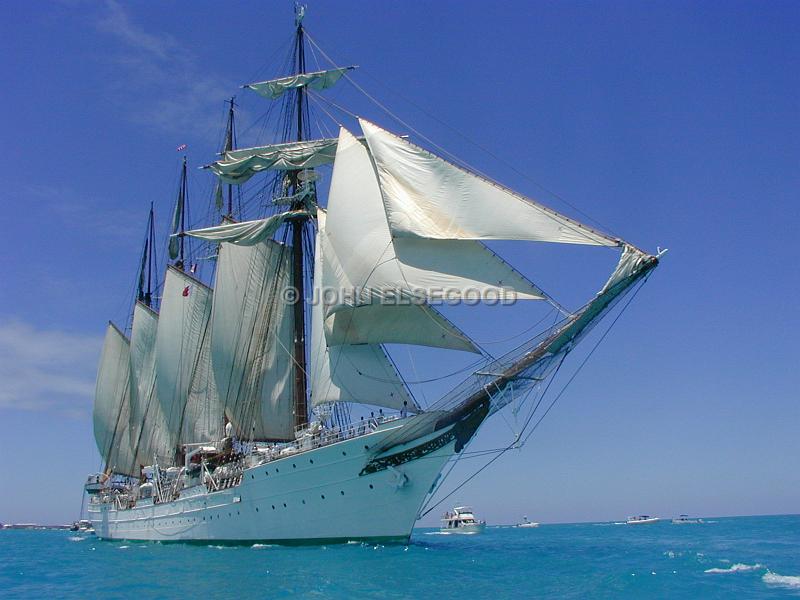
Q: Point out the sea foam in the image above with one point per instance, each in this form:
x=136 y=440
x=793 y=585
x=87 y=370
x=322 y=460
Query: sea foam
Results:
x=738 y=567
x=786 y=581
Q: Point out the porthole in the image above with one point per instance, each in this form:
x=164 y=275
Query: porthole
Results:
x=311 y=460
x=273 y=507
x=252 y=476
x=294 y=466
x=256 y=509
x=371 y=486
x=277 y=470
x=341 y=492
x=284 y=505
x=304 y=501
x=344 y=453
x=366 y=447
x=323 y=496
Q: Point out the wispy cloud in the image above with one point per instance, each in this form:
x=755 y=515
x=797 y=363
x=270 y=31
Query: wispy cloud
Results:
x=162 y=83
x=82 y=213
x=47 y=370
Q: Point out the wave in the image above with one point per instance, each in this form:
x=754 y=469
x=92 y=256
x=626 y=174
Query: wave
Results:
x=263 y=546
x=786 y=581
x=738 y=567
x=123 y=547
x=76 y=538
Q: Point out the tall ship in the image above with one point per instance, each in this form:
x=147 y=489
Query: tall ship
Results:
x=252 y=395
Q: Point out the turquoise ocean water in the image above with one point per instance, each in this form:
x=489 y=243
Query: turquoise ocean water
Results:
x=742 y=557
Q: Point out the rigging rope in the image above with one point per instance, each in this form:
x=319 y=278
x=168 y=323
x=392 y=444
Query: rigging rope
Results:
x=533 y=412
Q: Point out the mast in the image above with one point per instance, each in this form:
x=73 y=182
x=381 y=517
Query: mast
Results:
x=230 y=142
x=182 y=204
x=299 y=351
x=148 y=297
x=145 y=290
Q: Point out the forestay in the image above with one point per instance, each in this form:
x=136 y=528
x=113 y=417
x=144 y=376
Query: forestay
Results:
x=429 y=197
x=112 y=403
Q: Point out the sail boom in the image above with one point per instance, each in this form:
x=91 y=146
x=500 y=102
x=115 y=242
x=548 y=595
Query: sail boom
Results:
x=317 y=80
x=238 y=166
x=247 y=233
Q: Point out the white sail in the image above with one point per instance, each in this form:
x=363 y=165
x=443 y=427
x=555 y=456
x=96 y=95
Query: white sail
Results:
x=148 y=427
x=252 y=334
x=184 y=385
x=362 y=254
x=237 y=166
x=318 y=80
x=429 y=197
x=349 y=373
x=246 y=233
x=112 y=403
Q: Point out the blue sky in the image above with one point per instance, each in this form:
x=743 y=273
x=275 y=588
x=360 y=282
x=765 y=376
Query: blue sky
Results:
x=671 y=123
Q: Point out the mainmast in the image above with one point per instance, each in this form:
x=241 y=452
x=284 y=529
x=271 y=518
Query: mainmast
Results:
x=297 y=225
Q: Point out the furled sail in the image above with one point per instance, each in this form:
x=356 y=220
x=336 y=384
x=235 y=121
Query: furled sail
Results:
x=246 y=233
x=252 y=333
x=112 y=403
x=361 y=254
x=349 y=373
x=148 y=427
x=318 y=80
x=237 y=166
x=184 y=384
x=429 y=197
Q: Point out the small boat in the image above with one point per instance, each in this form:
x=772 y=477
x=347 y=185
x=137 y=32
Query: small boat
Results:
x=462 y=520
x=526 y=523
x=82 y=526
x=685 y=520
x=642 y=519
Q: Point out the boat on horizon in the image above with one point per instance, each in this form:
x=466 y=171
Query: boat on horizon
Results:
x=250 y=396
x=461 y=520
x=686 y=520
x=642 y=520
x=526 y=523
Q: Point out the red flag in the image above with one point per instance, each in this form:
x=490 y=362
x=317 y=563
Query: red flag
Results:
x=186 y=291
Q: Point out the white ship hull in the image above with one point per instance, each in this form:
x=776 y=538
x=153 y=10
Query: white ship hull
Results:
x=315 y=496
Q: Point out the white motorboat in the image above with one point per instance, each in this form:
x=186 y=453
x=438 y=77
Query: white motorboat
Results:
x=642 y=520
x=462 y=520
x=685 y=520
x=527 y=523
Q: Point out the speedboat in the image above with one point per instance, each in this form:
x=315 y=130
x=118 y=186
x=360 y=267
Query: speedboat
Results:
x=642 y=519
x=685 y=520
x=462 y=520
x=526 y=523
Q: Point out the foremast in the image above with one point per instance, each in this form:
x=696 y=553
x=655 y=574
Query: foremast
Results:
x=297 y=225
